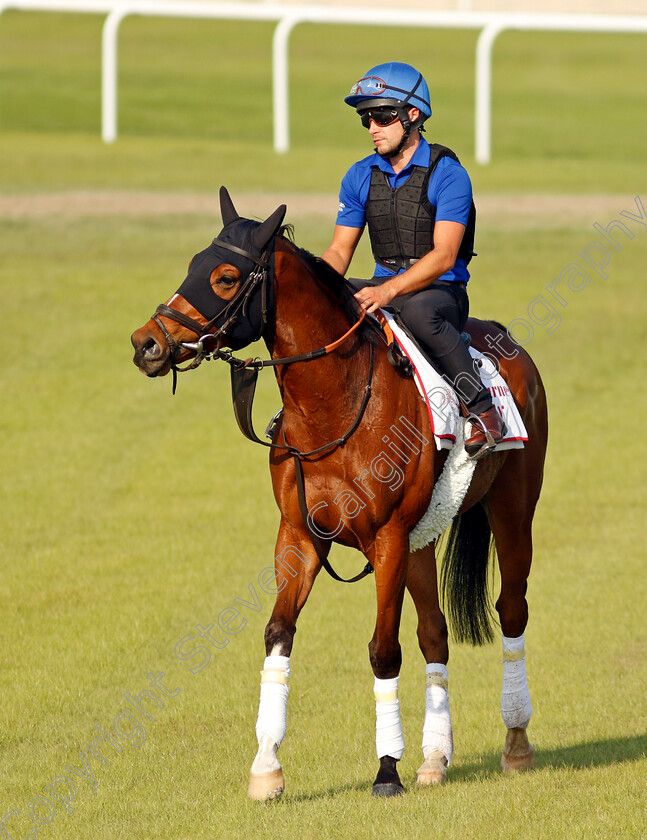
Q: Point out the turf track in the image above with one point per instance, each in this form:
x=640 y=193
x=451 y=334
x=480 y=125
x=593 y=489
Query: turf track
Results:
x=128 y=516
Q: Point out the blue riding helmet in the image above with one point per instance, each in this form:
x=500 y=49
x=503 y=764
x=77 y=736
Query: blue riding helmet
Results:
x=392 y=85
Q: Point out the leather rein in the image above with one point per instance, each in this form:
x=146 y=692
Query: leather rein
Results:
x=244 y=376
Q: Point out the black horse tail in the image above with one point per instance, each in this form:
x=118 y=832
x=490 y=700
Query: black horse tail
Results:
x=464 y=577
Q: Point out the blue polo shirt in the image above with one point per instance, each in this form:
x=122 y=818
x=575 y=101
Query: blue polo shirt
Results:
x=450 y=192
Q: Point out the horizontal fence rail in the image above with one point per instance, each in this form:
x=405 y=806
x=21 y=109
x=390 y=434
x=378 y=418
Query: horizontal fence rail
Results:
x=625 y=24
x=491 y=24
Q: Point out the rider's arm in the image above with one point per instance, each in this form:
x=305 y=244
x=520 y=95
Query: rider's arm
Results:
x=340 y=251
x=447 y=240
x=450 y=191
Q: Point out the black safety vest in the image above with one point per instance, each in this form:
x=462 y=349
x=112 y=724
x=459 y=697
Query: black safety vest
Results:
x=401 y=220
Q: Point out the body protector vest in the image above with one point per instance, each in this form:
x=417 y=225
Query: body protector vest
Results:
x=401 y=220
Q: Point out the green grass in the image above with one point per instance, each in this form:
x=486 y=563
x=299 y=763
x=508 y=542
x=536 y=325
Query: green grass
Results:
x=569 y=110
x=127 y=516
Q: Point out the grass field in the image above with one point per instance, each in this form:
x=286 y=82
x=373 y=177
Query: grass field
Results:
x=128 y=516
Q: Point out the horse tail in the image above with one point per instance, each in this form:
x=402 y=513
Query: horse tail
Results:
x=464 y=577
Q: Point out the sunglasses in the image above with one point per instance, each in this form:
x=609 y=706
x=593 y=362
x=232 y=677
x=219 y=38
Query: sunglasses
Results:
x=380 y=116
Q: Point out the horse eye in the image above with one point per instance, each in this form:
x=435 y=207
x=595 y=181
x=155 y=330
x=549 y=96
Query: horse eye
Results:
x=226 y=280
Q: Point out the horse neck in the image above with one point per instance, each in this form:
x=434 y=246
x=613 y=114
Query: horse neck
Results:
x=307 y=316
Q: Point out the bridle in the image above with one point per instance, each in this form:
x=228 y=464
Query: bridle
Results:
x=244 y=374
x=236 y=308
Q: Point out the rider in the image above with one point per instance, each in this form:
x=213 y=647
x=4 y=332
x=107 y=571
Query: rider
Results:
x=417 y=202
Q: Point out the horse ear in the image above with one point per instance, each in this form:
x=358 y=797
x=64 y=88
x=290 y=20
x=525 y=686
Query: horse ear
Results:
x=269 y=228
x=227 y=209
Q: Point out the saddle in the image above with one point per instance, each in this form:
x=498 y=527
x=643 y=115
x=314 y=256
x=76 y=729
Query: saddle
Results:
x=394 y=352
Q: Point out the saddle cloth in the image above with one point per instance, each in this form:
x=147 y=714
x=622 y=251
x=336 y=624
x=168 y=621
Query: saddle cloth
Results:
x=442 y=402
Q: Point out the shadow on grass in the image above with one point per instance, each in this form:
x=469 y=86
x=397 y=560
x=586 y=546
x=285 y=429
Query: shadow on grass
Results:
x=330 y=793
x=578 y=756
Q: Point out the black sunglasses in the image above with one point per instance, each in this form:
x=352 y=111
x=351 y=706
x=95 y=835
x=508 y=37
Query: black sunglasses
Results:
x=380 y=116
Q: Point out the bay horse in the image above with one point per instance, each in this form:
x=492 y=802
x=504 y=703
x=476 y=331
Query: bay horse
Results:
x=352 y=461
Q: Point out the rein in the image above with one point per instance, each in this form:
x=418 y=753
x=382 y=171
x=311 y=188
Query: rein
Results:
x=244 y=376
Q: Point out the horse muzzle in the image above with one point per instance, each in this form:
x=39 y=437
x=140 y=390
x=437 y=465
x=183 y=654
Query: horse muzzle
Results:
x=152 y=353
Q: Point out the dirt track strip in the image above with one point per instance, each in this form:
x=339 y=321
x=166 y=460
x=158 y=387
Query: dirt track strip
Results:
x=501 y=210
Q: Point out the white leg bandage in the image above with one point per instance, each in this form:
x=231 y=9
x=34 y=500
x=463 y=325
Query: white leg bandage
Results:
x=389 y=739
x=273 y=707
x=516 y=708
x=437 y=728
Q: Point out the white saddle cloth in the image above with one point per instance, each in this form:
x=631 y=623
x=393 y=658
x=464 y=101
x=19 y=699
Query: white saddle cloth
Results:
x=442 y=402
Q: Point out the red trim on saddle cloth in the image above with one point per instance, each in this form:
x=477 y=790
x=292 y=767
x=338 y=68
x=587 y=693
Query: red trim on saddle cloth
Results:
x=444 y=424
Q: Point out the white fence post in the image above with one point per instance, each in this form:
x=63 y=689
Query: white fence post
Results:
x=483 y=85
x=281 y=82
x=109 y=70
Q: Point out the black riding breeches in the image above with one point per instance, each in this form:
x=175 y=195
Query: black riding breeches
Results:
x=436 y=316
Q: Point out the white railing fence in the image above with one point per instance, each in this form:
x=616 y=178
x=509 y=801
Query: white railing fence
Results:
x=491 y=24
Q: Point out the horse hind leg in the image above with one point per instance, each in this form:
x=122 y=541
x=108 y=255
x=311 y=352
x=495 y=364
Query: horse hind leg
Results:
x=513 y=537
x=516 y=708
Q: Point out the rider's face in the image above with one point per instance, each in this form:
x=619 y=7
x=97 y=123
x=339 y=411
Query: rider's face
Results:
x=387 y=138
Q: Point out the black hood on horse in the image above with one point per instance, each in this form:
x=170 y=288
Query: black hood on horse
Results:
x=248 y=246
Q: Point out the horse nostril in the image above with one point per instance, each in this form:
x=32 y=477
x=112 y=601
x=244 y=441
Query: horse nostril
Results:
x=151 y=350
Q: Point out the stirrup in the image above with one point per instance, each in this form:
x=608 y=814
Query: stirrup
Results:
x=271 y=426
x=489 y=444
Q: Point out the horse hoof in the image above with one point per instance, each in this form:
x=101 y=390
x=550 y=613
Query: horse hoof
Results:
x=518 y=763
x=433 y=771
x=387 y=781
x=518 y=752
x=266 y=786
x=388 y=789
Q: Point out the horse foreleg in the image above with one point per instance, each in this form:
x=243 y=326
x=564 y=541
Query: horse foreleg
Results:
x=296 y=566
x=388 y=558
x=437 y=737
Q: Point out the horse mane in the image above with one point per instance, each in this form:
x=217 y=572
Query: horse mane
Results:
x=331 y=280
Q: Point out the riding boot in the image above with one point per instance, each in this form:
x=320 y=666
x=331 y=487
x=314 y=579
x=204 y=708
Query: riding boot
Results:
x=488 y=429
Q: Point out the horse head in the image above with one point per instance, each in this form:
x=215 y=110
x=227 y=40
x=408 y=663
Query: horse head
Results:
x=224 y=299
